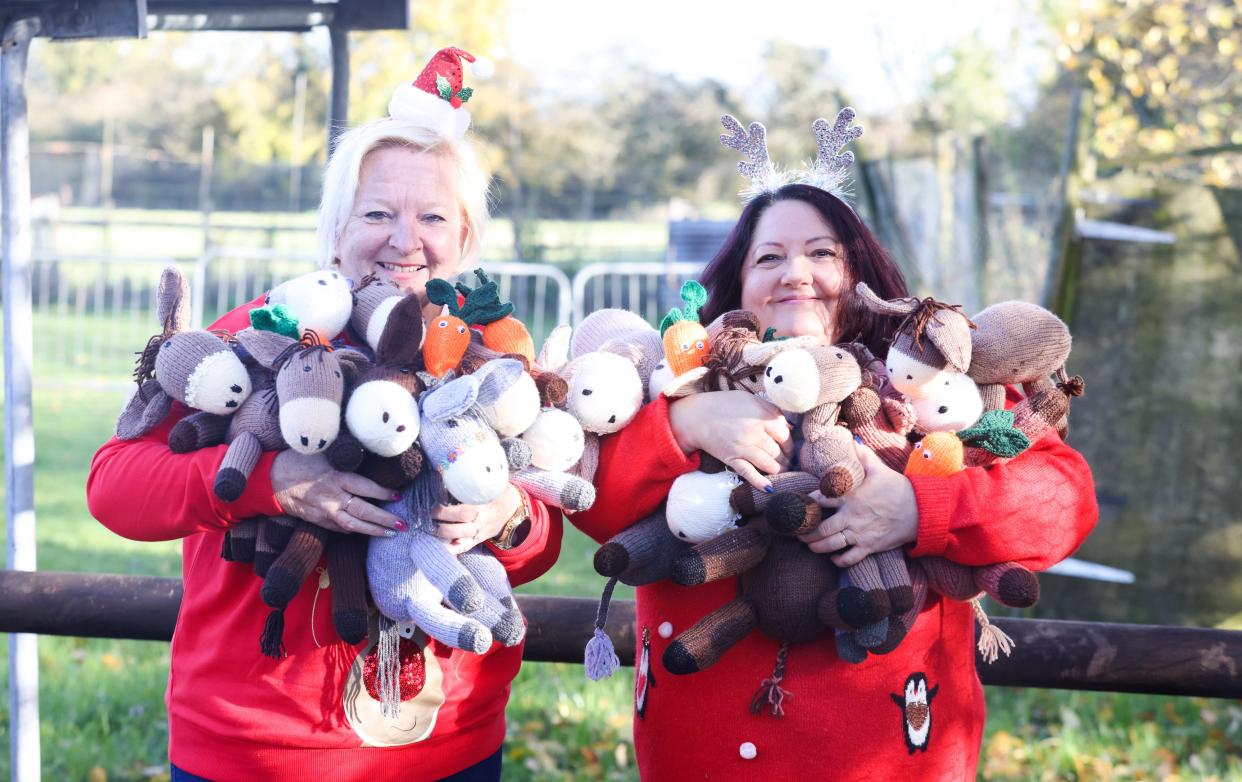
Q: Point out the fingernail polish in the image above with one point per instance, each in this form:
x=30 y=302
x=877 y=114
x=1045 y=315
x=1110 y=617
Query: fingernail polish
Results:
x=768 y=489
x=390 y=533
x=396 y=495
x=858 y=439
x=401 y=526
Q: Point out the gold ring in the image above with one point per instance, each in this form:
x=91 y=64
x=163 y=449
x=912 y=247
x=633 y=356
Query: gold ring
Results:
x=345 y=507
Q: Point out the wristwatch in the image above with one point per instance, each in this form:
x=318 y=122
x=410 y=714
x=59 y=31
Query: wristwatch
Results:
x=504 y=538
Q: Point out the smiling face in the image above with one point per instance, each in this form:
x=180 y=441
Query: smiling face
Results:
x=794 y=273
x=406 y=222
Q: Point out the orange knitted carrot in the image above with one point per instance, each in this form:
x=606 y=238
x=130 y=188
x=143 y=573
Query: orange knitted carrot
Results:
x=447 y=336
x=685 y=340
x=445 y=344
x=508 y=335
x=939 y=454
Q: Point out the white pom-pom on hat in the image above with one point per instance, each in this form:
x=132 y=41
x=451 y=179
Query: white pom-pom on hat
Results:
x=482 y=68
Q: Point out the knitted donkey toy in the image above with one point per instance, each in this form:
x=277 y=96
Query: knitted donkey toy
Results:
x=195 y=367
x=381 y=414
x=412 y=573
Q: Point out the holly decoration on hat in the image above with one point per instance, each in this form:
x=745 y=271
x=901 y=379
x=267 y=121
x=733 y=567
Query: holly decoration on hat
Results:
x=455 y=99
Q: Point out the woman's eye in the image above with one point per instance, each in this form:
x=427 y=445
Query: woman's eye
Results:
x=377 y=215
x=825 y=253
x=433 y=218
x=768 y=259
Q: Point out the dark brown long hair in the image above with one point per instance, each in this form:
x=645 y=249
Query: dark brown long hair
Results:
x=865 y=261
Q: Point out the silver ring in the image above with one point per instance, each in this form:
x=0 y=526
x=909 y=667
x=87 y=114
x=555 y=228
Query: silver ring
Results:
x=846 y=538
x=345 y=507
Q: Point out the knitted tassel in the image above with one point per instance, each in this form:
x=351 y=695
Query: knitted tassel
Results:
x=272 y=642
x=992 y=639
x=770 y=691
x=388 y=672
x=601 y=658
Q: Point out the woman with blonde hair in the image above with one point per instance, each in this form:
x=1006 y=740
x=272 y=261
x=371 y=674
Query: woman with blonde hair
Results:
x=405 y=199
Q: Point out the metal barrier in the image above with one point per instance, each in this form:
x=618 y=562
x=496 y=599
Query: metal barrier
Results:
x=93 y=312
x=649 y=289
x=1053 y=654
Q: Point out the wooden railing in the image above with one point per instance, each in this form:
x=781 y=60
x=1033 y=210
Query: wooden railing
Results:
x=1049 y=653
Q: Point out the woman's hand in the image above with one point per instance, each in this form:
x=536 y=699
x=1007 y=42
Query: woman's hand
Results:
x=307 y=487
x=465 y=526
x=749 y=435
x=881 y=513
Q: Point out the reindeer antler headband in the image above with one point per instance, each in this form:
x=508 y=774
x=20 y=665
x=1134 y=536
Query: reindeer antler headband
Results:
x=829 y=172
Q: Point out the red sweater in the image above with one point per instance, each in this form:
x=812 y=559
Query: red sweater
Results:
x=237 y=715
x=842 y=722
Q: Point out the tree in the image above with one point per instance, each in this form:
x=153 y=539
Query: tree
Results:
x=1165 y=77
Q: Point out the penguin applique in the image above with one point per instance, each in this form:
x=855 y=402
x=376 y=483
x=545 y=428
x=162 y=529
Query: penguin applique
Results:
x=915 y=707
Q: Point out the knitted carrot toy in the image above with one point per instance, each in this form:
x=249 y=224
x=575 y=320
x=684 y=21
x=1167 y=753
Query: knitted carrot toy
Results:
x=502 y=332
x=685 y=340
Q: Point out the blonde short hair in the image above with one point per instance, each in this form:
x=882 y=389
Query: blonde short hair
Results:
x=340 y=180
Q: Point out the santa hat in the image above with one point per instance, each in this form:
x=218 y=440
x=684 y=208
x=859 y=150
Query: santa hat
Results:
x=435 y=98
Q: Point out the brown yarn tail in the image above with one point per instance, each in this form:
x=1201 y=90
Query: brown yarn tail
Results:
x=770 y=692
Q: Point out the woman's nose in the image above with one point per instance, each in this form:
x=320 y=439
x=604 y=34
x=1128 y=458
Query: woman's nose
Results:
x=406 y=237
x=797 y=271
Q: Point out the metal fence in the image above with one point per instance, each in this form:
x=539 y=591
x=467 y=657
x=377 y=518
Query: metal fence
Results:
x=93 y=313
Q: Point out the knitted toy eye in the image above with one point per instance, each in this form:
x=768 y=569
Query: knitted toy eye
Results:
x=338 y=374
x=461 y=329
x=699 y=345
x=840 y=355
x=323 y=282
x=942 y=409
x=768 y=371
x=685 y=346
x=586 y=392
x=926 y=454
x=306 y=367
x=443 y=324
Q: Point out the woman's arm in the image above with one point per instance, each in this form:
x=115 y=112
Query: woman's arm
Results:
x=1035 y=509
x=141 y=490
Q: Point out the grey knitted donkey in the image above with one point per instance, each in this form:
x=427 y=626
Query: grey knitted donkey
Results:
x=195 y=367
x=413 y=574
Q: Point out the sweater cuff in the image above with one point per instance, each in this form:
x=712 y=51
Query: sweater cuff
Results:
x=935 y=501
x=259 y=499
x=665 y=442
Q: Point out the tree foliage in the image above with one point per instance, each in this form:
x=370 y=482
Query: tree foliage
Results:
x=1165 y=76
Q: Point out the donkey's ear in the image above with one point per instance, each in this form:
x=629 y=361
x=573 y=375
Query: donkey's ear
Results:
x=450 y=399
x=172 y=304
x=555 y=351
x=896 y=308
x=263 y=346
x=144 y=411
x=949 y=331
x=402 y=338
x=496 y=377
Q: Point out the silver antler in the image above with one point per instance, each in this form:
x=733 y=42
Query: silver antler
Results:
x=832 y=164
x=754 y=147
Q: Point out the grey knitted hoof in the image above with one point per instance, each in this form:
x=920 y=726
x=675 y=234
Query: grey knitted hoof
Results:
x=872 y=635
x=465 y=595
x=474 y=637
x=577 y=495
x=689 y=570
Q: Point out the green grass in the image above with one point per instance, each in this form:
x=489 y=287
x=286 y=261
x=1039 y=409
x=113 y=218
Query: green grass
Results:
x=102 y=705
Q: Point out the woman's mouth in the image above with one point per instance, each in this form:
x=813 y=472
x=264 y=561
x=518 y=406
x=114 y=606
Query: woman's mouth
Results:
x=401 y=268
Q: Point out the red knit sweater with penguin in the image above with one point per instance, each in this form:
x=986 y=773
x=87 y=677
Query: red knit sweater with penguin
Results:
x=842 y=721
x=234 y=714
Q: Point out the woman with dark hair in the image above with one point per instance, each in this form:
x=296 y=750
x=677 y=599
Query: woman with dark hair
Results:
x=794 y=256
